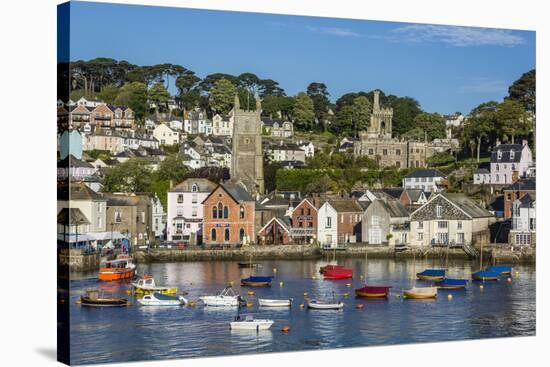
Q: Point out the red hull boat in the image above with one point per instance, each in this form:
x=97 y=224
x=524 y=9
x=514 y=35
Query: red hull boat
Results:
x=373 y=291
x=338 y=272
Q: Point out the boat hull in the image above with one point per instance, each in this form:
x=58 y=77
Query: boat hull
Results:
x=420 y=293
x=104 y=302
x=484 y=275
x=373 y=292
x=255 y=284
x=325 y=306
x=161 y=290
x=275 y=302
x=430 y=278
x=116 y=274
x=251 y=325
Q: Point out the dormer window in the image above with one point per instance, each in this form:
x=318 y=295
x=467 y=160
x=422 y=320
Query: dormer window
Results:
x=512 y=154
x=194 y=188
x=499 y=154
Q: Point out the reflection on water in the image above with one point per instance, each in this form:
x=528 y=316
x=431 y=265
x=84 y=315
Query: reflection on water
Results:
x=138 y=332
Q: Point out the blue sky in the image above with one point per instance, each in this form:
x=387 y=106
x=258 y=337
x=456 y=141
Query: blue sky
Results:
x=445 y=68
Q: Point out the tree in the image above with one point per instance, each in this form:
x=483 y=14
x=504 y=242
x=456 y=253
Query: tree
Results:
x=523 y=90
x=159 y=95
x=432 y=124
x=405 y=110
x=319 y=94
x=206 y=85
x=108 y=94
x=222 y=96
x=303 y=111
x=512 y=119
x=132 y=175
x=186 y=83
x=480 y=124
x=269 y=87
x=172 y=169
x=133 y=95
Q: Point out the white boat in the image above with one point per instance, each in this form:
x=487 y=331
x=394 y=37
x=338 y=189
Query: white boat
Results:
x=275 y=302
x=159 y=299
x=324 y=305
x=226 y=298
x=249 y=323
x=421 y=293
x=146 y=284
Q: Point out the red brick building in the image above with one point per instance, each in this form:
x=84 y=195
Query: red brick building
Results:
x=229 y=216
x=303 y=221
x=349 y=217
x=517 y=190
x=276 y=232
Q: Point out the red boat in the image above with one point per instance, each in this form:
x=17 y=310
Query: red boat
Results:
x=337 y=272
x=329 y=267
x=373 y=291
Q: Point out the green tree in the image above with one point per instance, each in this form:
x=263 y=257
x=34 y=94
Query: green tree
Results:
x=133 y=95
x=132 y=175
x=433 y=125
x=172 y=169
x=108 y=94
x=523 y=90
x=318 y=93
x=186 y=84
x=159 y=95
x=481 y=122
x=303 y=112
x=512 y=119
x=222 y=96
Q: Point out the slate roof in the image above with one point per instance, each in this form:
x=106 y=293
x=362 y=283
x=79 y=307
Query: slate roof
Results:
x=425 y=173
x=269 y=121
x=78 y=191
x=71 y=161
x=345 y=206
x=394 y=192
x=506 y=156
x=469 y=206
x=523 y=185
x=526 y=201
x=204 y=185
x=497 y=203
x=71 y=216
x=414 y=194
x=395 y=208
x=483 y=171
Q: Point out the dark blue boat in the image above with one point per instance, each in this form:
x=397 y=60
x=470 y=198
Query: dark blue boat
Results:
x=452 y=283
x=485 y=275
x=501 y=269
x=431 y=274
x=257 y=281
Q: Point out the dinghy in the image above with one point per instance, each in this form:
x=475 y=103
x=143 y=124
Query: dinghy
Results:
x=158 y=299
x=501 y=269
x=420 y=293
x=486 y=275
x=324 y=305
x=257 y=281
x=373 y=291
x=338 y=272
x=226 y=298
x=452 y=283
x=275 y=302
x=121 y=268
x=249 y=323
x=94 y=298
x=431 y=274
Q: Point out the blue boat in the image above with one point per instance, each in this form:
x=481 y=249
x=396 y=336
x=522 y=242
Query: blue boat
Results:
x=449 y=283
x=257 y=281
x=431 y=274
x=485 y=275
x=501 y=269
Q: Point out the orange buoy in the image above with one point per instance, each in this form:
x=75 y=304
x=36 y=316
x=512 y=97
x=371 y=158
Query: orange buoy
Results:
x=359 y=305
x=249 y=305
x=509 y=280
x=302 y=305
x=285 y=329
x=250 y=293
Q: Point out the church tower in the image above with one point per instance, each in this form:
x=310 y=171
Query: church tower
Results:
x=247 y=163
x=380 y=120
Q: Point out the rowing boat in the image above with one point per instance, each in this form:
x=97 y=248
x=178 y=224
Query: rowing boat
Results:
x=420 y=293
x=449 y=283
x=275 y=302
x=373 y=291
x=431 y=274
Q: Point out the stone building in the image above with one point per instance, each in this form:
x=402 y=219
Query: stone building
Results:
x=131 y=215
x=385 y=221
x=378 y=144
x=247 y=163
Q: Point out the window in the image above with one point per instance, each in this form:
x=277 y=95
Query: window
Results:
x=438 y=211
x=179 y=227
x=241 y=212
x=460 y=238
x=497 y=167
x=329 y=222
x=226 y=236
x=375 y=220
x=308 y=211
x=225 y=212
x=523 y=239
x=420 y=225
x=310 y=224
x=194 y=199
x=371 y=151
x=442 y=225
x=241 y=234
x=300 y=224
x=180 y=198
x=194 y=211
x=398 y=152
x=443 y=237
x=420 y=236
x=384 y=152
x=496 y=178
x=459 y=225
x=302 y=211
x=194 y=188
x=213 y=234
x=118 y=216
x=143 y=217
x=214 y=212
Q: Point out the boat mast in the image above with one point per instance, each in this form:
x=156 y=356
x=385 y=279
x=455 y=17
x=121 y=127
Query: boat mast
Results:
x=481 y=257
x=366 y=259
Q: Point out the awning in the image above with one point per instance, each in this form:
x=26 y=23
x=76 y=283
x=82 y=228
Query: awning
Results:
x=72 y=237
x=103 y=236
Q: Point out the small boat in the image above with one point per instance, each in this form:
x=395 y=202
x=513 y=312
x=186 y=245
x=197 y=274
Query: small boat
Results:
x=275 y=302
x=485 y=275
x=121 y=268
x=146 y=285
x=338 y=272
x=159 y=299
x=370 y=291
x=431 y=274
x=420 y=293
x=501 y=269
x=449 y=283
x=226 y=298
x=329 y=267
x=249 y=265
x=94 y=298
x=257 y=281
x=249 y=323
x=324 y=305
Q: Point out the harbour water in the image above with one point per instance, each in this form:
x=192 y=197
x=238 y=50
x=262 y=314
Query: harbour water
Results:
x=498 y=309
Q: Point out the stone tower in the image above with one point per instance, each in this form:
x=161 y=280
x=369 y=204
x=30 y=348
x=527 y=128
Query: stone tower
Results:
x=380 y=120
x=247 y=163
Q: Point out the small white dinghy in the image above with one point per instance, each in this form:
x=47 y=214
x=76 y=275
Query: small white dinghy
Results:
x=158 y=299
x=249 y=323
x=226 y=298
x=324 y=305
x=275 y=302
x=421 y=293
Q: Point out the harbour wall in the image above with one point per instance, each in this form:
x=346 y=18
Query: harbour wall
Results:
x=77 y=260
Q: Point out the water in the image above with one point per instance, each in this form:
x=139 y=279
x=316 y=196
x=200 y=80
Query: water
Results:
x=500 y=309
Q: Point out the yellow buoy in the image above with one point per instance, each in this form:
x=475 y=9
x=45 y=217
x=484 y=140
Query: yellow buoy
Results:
x=78 y=302
x=359 y=305
x=305 y=294
x=397 y=296
x=249 y=305
x=281 y=284
x=285 y=329
x=346 y=295
x=128 y=292
x=313 y=277
x=449 y=297
x=517 y=273
x=481 y=286
x=274 y=270
x=250 y=293
x=360 y=277
x=191 y=304
x=231 y=283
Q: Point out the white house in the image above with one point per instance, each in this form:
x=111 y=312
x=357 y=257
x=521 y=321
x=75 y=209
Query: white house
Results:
x=327 y=221
x=222 y=125
x=385 y=221
x=165 y=135
x=524 y=216
x=196 y=122
x=307 y=147
x=482 y=177
x=424 y=179
x=510 y=162
x=186 y=211
x=158 y=217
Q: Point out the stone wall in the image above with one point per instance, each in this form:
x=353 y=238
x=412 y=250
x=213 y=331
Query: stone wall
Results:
x=78 y=260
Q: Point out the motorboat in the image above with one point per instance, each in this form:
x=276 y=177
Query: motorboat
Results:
x=95 y=298
x=329 y=266
x=420 y=293
x=120 y=268
x=333 y=304
x=159 y=299
x=275 y=302
x=370 y=291
x=226 y=298
x=249 y=323
x=146 y=285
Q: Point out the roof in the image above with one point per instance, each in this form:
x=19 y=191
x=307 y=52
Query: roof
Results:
x=345 y=206
x=283 y=222
x=425 y=173
x=526 y=201
x=203 y=185
x=70 y=216
x=506 y=156
x=482 y=171
x=414 y=194
x=394 y=192
x=523 y=185
x=71 y=161
x=122 y=200
x=470 y=207
x=237 y=192
x=497 y=203
x=394 y=208
x=269 y=121
x=78 y=191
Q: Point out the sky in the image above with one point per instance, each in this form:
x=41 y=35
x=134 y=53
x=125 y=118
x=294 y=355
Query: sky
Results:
x=445 y=68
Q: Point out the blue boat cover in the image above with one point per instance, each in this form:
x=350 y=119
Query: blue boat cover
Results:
x=486 y=274
x=455 y=282
x=500 y=268
x=433 y=273
x=258 y=279
x=164 y=297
